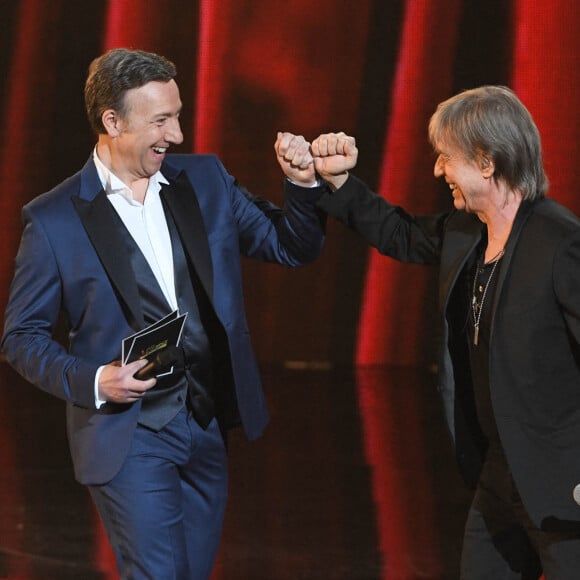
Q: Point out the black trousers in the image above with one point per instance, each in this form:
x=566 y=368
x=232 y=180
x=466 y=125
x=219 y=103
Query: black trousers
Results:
x=502 y=543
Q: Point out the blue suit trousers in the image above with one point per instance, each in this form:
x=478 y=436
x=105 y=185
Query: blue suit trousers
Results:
x=164 y=510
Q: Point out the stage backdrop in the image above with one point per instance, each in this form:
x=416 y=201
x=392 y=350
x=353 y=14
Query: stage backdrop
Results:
x=248 y=68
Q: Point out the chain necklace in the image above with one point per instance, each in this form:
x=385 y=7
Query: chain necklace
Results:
x=478 y=308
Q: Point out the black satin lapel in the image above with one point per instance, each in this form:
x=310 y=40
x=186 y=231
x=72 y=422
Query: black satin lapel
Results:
x=181 y=201
x=99 y=218
x=522 y=216
x=461 y=238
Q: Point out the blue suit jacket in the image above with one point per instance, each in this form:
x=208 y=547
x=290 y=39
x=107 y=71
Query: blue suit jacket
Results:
x=70 y=261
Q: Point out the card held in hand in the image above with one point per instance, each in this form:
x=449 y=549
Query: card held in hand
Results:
x=158 y=336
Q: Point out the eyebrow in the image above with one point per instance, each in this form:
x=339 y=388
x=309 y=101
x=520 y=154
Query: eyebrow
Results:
x=167 y=114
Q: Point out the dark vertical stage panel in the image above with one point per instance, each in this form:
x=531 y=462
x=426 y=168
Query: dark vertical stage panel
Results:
x=9 y=12
x=11 y=492
x=485 y=45
x=79 y=40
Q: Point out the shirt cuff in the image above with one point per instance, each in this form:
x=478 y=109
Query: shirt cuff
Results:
x=317 y=183
x=98 y=402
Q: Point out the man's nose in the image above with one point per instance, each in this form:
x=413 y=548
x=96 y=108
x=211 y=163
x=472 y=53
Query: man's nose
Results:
x=438 y=169
x=174 y=134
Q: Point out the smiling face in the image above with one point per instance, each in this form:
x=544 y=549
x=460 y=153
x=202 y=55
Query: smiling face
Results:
x=469 y=180
x=140 y=138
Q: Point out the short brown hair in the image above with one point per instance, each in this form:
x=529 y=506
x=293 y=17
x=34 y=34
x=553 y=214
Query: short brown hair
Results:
x=112 y=74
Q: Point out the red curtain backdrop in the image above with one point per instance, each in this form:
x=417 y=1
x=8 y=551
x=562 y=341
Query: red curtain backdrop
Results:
x=247 y=68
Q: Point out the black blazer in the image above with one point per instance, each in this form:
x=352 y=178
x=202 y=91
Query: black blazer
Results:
x=535 y=335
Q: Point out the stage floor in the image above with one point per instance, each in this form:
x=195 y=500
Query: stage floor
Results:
x=353 y=479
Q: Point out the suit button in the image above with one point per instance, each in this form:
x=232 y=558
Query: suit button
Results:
x=576 y=494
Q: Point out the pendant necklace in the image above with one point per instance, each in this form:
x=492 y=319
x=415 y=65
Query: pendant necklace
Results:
x=478 y=308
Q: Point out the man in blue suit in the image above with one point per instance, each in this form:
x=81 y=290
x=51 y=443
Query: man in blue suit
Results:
x=135 y=235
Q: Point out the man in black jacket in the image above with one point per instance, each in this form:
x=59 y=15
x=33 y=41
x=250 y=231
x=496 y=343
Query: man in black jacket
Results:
x=509 y=280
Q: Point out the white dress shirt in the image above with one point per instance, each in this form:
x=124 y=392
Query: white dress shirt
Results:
x=147 y=225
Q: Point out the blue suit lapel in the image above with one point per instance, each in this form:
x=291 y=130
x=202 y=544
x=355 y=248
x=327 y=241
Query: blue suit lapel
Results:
x=98 y=218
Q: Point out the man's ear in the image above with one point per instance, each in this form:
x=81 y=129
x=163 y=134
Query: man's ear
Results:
x=486 y=165
x=112 y=123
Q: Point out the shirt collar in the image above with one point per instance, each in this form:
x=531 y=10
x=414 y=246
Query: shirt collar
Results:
x=113 y=185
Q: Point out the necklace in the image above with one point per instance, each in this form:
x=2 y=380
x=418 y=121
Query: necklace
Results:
x=478 y=308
